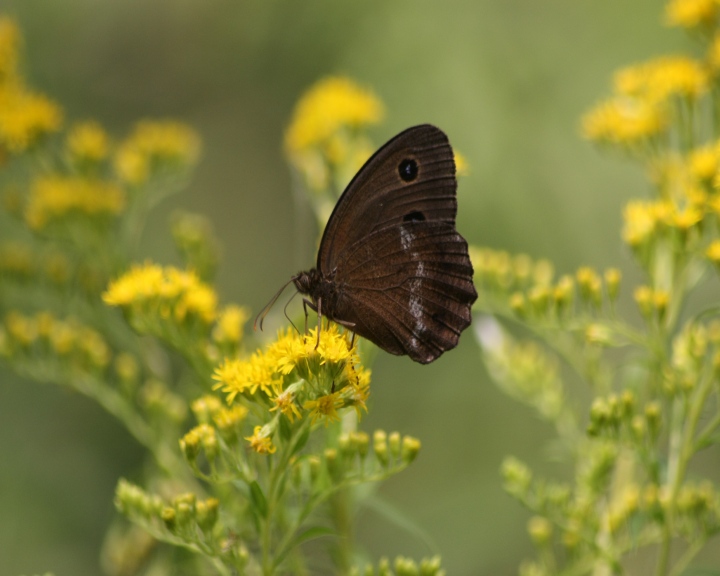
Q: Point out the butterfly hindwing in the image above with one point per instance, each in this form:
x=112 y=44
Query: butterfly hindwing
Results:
x=416 y=303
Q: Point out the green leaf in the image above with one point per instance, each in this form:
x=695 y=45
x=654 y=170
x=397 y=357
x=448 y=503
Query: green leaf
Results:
x=285 y=429
x=257 y=499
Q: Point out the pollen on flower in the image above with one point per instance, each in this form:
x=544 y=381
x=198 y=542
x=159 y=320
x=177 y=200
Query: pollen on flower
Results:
x=333 y=103
x=53 y=197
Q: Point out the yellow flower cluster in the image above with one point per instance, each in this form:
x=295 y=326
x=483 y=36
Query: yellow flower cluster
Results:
x=87 y=142
x=692 y=13
x=639 y=110
x=622 y=120
x=153 y=145
x=661 y=78
x=229 y=324
x=42 y=333
x=55 y=197
x=331 y=105
x=528 y=287
x=167 y=292
x=297 y=373
x=25 y=116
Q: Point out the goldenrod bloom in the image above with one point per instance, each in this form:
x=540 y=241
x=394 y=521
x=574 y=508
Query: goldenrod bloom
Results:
x=53 y=197
x=623 y=120
x=333 y=103
x=325 y=407
x=88 y=141
x=229 y=324
x=164 y=291
x=9 y=41
x=153 y=144
x=691 y=13
x=25 y=117
x=663 y=77
x=260 y=441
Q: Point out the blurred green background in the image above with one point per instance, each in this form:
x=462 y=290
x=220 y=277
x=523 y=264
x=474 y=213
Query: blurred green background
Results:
x=507 y=80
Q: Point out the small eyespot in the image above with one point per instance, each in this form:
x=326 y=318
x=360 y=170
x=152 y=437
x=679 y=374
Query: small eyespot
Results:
x=408 y=169
x=415 y=216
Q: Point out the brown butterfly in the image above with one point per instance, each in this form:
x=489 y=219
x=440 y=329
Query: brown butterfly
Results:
x=391 y=266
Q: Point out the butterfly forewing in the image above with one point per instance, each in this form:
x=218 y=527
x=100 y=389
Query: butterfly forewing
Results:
x=411 y=178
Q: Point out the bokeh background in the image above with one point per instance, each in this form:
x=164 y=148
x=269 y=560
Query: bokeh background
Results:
x=507 y=80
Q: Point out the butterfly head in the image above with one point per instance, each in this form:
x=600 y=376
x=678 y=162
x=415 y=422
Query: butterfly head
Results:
x=307 y=282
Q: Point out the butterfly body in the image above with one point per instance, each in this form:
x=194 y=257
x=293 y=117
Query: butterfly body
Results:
x=391 y=266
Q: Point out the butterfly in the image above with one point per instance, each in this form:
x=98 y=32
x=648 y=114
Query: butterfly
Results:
x=391 y=266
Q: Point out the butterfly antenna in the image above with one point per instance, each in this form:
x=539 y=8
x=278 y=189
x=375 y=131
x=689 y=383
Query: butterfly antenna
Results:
x=286 y=314
x=260 y=318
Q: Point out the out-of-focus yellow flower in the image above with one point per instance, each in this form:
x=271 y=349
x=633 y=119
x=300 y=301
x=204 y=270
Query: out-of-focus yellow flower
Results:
x=623 y=120
x=87 y=141
x=153 y=144
x=67 y=340
x=25 y=117
x=642 y=219
x=691 y=13
x=713 y=54
x=703 y=162
x=661 y=78
x=713 y=252
x=164 y=291
x=331 y=104
x=54 y=197
x=461 y=165
x=230 y=323
x=9 y=42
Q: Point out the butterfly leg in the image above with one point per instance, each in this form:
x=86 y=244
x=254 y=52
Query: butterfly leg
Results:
x=309 y=304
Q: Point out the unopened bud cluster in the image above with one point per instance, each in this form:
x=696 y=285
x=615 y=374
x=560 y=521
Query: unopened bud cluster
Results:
x=402 y=566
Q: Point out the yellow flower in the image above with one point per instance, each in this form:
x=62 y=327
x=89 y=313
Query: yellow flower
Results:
x=641 y=220
x=260 y=441
x=325 y=407
x=663 y=77
x=330 y=105
x=238 y=376
x=87 y=141
x=229 y=324
x=713 y=252
x=713 y=54
x=153 y=144
x=9 y=41
x=691 y=13
x=53 y=197
x=461 y=165
x=285 y=402
x=164 y=289
x=623 y=120
x=703 y=162
x=25 y=117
